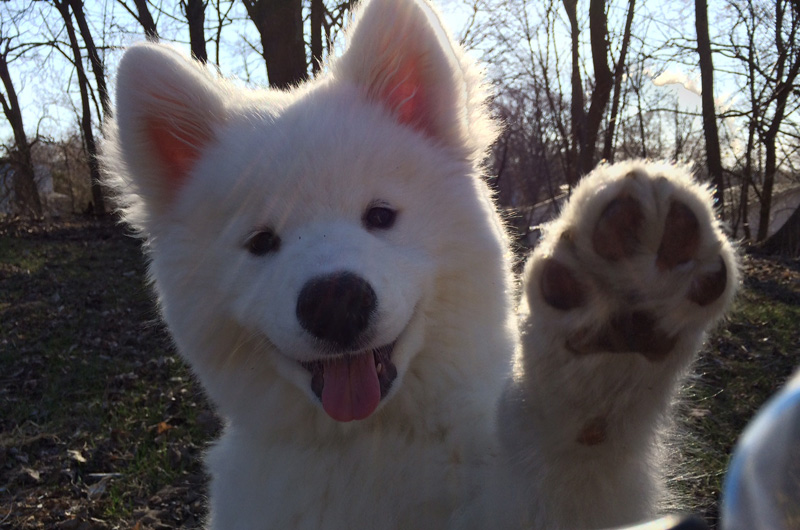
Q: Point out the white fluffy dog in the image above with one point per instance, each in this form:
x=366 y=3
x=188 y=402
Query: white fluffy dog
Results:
x=332 y=253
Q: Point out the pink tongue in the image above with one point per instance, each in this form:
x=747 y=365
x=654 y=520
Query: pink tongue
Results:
x=351 y=390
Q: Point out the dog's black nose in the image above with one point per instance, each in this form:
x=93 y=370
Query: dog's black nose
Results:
x=336 y=308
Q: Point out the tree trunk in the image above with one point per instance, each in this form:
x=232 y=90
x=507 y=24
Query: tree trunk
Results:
x=280 y=24
x=26 y=194
x=195 y=11
x=317 y=20
x=86 y=118
x=577 y=113
x=640 y=116
x=747 y=178
x=770 y=169
x=97 y=65
x=744 y=203
x=619 y=69
x=713 y=157
x=603 y=82
x=146 y=20
x=586 y=125
x=786 y=74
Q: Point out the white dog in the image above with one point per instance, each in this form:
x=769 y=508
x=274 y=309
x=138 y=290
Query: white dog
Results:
x=332 y=253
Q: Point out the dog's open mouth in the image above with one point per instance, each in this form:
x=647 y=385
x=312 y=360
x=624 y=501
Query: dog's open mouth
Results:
x=351 y=386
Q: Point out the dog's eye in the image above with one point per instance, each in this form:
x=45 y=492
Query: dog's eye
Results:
x=379 y=217
x=262 y=242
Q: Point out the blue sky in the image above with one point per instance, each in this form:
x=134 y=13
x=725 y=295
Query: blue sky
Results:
x=48 y=91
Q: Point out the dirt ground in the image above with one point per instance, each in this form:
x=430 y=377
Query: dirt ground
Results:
x=101 y=425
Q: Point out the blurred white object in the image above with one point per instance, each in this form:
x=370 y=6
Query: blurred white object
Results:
x=762 y=489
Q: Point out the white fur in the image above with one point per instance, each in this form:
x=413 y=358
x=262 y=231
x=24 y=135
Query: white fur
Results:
x=307 y=163
x=623 y=474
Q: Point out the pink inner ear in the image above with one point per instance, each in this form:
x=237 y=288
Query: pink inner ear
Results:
x=405 y=93
x=176 y=149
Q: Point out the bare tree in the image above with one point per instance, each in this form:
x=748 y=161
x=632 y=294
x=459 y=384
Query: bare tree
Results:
x=144 y=17
x=713 y=156
x=26 y=194
x=586 y=124
x=195 y=11
x=619 y=70
x=63 y=7
x=785 y=74
x=317 y=23
x=223 y=16
x=746 y=18
x=640 y=115
x=66 y=161
x=766 y=43
x=280 y=25
x=94 y=58
x=526 y=155
x=577 y=111
x=325 y=22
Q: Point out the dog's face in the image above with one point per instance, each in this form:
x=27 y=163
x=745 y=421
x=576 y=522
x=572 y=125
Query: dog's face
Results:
x=328 y=255
x=314 y=220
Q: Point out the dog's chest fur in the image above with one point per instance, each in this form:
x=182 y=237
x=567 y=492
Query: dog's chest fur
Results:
x=383 y=478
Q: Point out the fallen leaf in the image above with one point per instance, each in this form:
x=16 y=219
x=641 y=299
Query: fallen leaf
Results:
x=32 y=473
x=162 y=427
x=76 y=455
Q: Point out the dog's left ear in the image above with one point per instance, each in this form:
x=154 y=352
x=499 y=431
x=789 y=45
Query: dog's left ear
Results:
x=403 y=58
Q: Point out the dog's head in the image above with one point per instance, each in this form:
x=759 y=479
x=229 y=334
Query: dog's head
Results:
x=309 y=230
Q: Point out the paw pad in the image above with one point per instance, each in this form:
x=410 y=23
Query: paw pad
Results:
x=624 y=289
x=707 y=288
x=560 y=288
x=634 y=332
x=681 y=238
x=616 y=235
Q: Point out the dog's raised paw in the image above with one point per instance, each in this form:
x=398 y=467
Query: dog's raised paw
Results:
x=636 y=259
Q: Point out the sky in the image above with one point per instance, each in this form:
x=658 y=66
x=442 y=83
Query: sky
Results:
x=42 y=79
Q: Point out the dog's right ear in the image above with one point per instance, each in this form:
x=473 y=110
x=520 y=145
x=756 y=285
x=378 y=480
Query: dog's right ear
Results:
x=167 y=109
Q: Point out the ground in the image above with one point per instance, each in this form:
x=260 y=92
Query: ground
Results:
x=102 y=425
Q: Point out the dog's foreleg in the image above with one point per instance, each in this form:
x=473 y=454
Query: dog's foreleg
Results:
x=620 y=293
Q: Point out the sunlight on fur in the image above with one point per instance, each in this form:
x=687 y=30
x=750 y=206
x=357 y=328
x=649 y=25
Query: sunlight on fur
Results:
x=330 y=262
